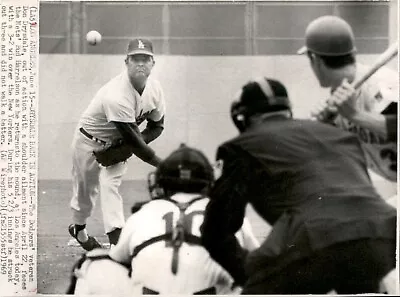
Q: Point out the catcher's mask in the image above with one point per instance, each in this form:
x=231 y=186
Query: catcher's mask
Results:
x=261 y=95
x=184 y=170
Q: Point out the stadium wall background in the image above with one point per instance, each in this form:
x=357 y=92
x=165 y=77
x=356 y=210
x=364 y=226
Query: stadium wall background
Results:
x=202 y=59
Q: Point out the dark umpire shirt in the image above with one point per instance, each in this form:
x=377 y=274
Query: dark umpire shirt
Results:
x=307 y=179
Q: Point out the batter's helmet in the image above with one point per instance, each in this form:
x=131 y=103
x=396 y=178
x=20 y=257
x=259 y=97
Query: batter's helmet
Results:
x=329 y=36
x=185 y=170
x=261 y=95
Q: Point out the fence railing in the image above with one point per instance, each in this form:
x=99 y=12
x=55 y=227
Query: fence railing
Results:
x=205 y=28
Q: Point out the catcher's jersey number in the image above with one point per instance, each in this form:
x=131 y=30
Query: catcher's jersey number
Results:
x=191 y=224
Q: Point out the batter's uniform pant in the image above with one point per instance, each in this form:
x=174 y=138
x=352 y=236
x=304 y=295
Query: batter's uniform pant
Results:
x=352 y=267
x=91 y=180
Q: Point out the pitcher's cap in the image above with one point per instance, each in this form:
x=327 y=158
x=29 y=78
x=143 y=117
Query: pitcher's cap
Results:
x=140 y=46
x=329 y=36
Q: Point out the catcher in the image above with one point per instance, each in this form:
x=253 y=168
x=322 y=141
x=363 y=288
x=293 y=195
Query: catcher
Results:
x=159 y=251
x=108 y=135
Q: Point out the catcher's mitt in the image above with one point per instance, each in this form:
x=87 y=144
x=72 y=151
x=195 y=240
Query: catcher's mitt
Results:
x=116 y=153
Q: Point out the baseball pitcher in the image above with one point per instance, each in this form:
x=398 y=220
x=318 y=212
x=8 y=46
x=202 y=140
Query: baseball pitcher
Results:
x=108 y=134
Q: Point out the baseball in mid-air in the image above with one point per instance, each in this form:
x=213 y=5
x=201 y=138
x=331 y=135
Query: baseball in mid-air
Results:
x=93 y=37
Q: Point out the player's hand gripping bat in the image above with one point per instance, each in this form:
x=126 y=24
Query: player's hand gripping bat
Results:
x=382 y=60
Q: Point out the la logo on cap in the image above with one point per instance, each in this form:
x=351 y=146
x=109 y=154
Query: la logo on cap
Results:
x=140 y=44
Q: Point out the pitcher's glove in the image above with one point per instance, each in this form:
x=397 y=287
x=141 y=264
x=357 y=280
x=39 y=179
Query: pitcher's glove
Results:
x=116 y=153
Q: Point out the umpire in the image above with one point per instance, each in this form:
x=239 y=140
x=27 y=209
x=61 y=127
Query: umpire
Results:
x=309 y=181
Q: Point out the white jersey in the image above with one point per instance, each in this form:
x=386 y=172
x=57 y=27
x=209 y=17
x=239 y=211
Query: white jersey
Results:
x=118 y=101
x=153 y=265
x=375 y=95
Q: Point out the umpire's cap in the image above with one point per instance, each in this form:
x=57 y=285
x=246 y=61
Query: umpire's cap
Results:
x=260 y=95
x=329 y=36
x=185 y=170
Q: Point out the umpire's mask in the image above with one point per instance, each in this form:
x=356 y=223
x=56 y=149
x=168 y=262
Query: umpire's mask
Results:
x=261 y=95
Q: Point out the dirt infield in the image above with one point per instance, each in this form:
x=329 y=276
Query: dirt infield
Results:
x=56 y=257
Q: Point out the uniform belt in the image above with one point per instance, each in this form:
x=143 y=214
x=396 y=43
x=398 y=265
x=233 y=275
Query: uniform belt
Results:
x=208 y=291
x=84 y=132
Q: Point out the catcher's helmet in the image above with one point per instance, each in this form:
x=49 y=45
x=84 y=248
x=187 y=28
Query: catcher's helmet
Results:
x=261 y=95
x=184 y=170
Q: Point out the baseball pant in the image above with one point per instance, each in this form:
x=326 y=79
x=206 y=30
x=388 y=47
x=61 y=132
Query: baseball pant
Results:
x=348 y=268
x=102 y=277
x=393 y=200
x=91 y=180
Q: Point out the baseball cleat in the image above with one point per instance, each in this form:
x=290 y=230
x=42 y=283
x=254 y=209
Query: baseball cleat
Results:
x=88 y=245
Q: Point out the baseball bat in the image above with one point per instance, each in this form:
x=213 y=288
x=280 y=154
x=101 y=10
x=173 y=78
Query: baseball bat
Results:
x=382 y=60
